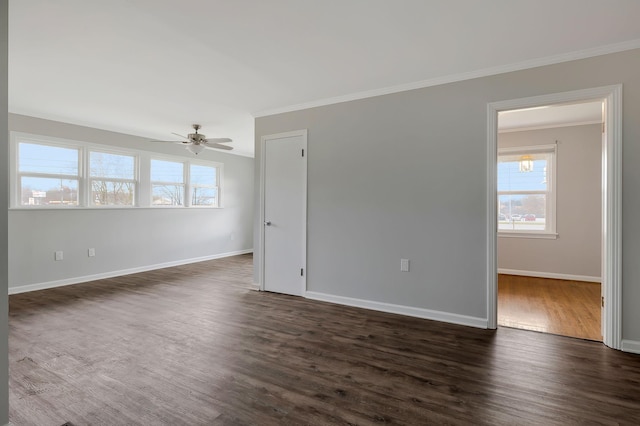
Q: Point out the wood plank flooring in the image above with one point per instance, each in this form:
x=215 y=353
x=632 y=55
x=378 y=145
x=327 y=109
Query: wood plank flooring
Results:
x=568 y=308
x=194 y=345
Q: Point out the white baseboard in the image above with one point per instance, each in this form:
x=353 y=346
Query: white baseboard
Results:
x=632 y=346
x=550 y=275
x=400 y=309
x=111 y=274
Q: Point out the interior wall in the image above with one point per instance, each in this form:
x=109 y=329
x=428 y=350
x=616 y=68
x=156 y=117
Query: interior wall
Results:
x=404 y=176
x=577 y=250
x=4 y=199
x=125 y=240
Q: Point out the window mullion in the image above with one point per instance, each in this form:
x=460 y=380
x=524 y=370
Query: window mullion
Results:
x=145 y=193
x=187 y=181
x=83 y=171
x=219 y=188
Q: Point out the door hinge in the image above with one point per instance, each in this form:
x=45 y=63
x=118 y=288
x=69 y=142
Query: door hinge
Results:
x=603 y=127
x=302 y=272
x=303 y=152
x=603 y=301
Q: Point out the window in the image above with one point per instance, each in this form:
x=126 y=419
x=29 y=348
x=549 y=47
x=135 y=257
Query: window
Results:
x=48 y=175
x=112 y=179
x=167 y=183
x=203 y=186
x=526 y=191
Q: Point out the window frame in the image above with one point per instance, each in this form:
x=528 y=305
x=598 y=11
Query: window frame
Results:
x=550 y=231
x=183 y=184
x=89 y=178
x=17 y=175
x=218 y=172
x=142 y=174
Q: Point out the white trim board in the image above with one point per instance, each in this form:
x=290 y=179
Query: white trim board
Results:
x=553 y=275
x=486 y=72
x=399 y=309
x=112 y=274
x=632 y=346
x=611 y=202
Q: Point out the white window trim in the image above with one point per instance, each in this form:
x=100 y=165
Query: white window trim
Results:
x=142 y=164
x=550 y=213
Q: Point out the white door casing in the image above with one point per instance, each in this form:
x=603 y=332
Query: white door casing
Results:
x=283 y=213
x=611 y=205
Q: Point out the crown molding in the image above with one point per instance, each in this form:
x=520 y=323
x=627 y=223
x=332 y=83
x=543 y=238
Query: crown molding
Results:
x=485 y=72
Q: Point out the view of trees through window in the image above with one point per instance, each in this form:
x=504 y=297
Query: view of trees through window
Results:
x=112 y=179
x=204 y=189
x=167 y=183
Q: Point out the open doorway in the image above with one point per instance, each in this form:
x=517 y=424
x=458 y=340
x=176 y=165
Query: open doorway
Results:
x=550 y=218
x=611 y=231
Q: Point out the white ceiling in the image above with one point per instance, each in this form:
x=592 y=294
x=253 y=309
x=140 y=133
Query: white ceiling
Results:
x=551 y=116
x=152 y=67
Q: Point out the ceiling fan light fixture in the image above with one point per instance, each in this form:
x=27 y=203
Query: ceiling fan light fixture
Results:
x=195 y=148
x=197 y=142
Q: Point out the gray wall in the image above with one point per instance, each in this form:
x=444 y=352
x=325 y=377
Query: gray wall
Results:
x=577 y=250
x=125 y=239
x=4 y=198
x=404 y=175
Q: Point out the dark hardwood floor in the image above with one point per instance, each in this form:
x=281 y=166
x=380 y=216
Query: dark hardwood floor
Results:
x=568 y=308
x=194 y=345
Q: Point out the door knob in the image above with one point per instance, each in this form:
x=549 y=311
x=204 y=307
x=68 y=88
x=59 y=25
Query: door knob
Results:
x=267 y=223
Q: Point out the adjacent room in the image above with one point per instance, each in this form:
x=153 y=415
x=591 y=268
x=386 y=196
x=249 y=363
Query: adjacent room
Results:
x=336 y=212
x=550 y=219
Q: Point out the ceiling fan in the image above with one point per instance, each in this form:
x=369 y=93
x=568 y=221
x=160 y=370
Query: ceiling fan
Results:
x=197 y=142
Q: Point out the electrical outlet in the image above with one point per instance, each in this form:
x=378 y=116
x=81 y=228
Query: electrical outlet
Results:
x=58 y=255
x=404 y=265
x=91 y=252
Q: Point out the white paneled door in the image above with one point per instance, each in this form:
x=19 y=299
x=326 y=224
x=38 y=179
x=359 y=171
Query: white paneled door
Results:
x=284 y=213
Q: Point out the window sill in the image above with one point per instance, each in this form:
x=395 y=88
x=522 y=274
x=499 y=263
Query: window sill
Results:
x=535 y=235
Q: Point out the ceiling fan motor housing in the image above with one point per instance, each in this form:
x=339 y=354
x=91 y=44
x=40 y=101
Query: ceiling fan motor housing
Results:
x=196 y=137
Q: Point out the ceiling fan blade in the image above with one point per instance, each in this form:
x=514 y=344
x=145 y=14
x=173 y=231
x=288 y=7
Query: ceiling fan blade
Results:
x=218 y=146
x=215 y=143
x=168 y=141
x=183 y=137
